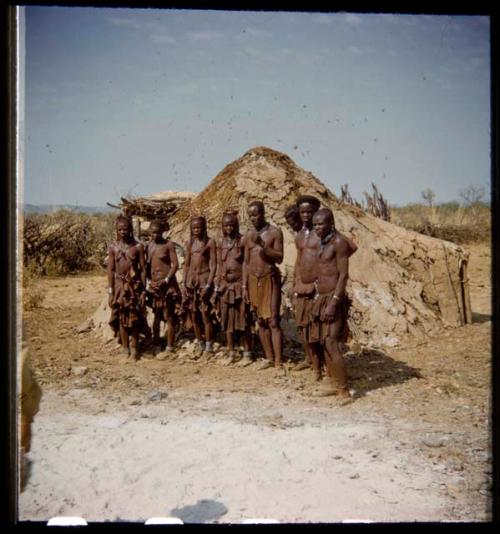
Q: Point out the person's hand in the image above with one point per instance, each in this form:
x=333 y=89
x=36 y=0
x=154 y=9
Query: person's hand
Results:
x=246 y=299
x=142 y=299
x=330 y=311
x=205 y=292
x=110 y=300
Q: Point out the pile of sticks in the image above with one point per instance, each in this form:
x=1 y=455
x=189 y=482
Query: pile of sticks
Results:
x=148 y=208
x=376 y=204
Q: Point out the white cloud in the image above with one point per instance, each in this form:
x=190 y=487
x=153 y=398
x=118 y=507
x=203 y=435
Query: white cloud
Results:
x=353 y=19
x=204 y=36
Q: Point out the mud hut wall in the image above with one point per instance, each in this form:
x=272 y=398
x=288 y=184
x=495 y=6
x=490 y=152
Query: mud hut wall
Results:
x=401 y=282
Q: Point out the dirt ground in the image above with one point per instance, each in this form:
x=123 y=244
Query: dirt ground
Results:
x=210 y=443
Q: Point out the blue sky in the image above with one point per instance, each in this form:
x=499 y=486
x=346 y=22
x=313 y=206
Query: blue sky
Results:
x=129 y=101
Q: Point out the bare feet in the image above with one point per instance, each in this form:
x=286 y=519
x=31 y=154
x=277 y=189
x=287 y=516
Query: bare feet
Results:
x=324 y=391
x=301 y=366
x=280 y=371
x=265 y=365
x=245 y=361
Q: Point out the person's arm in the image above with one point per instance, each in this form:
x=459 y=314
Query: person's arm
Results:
x=187 y=262
x=174 y=262
x=297 y=263
x=142 y=268
x=111 y=274
x=142 y=263
x=352 y=245
x=342 y=259
x=244 y=278
x=148 y=262
x=219 y=265
x=274 y=251
x=212 y=262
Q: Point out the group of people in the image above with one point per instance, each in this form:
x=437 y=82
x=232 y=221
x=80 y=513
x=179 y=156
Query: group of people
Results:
x=234 y=285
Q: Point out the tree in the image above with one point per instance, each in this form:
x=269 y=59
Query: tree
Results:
x=428 y=195
x=472 y=195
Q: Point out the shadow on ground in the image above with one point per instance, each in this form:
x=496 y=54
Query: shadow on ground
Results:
x=204 y=511
x=373 y=369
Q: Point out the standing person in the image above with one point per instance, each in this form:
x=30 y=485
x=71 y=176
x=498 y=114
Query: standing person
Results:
x=163 y=290
x=331 y=305
x=126 y=286
x=262 y=281
x=308 y=244
x=304 y=288
x=199 y=272
x=234 y=312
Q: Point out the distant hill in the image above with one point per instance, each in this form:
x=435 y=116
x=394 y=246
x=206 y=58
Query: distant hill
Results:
x=51 y=208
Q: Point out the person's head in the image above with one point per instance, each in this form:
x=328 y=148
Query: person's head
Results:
x=199 y=227
x=256 y=213
x=323 y=222
x=230 y=224
x=308 y=206
x=292 y=218
x=124 y=229
x=157 y=228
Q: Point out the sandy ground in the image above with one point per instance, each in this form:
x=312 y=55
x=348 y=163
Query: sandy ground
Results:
x=209 y=443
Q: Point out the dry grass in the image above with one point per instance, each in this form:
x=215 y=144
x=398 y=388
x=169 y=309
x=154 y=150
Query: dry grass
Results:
x=451 y=221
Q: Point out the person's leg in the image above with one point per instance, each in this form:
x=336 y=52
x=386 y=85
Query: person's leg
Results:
x=247 y=339
x=207 y=327
x=317 y=356
x=334 y=361
x=124 y=339
x=134 y=341
x=274 y=323
x=156 y=326
x=230 y=341
x=265 y=339
x=277 y=341
x=171 y=324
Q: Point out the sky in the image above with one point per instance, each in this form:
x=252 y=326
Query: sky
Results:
x=135 y=101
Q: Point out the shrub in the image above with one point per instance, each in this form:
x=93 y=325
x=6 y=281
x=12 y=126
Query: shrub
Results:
x=65 y=242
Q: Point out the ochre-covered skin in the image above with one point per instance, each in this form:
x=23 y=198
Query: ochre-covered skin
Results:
x=126 y=286
x=164 y=295
x=233 y=312
x=262 y=280
x=199 y=273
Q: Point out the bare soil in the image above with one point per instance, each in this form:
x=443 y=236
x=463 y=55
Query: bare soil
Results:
x=212 y=443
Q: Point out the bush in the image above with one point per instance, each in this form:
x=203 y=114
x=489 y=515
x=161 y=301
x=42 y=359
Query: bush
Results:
x=65 y=242
x=451 y=221
x=32 y=295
